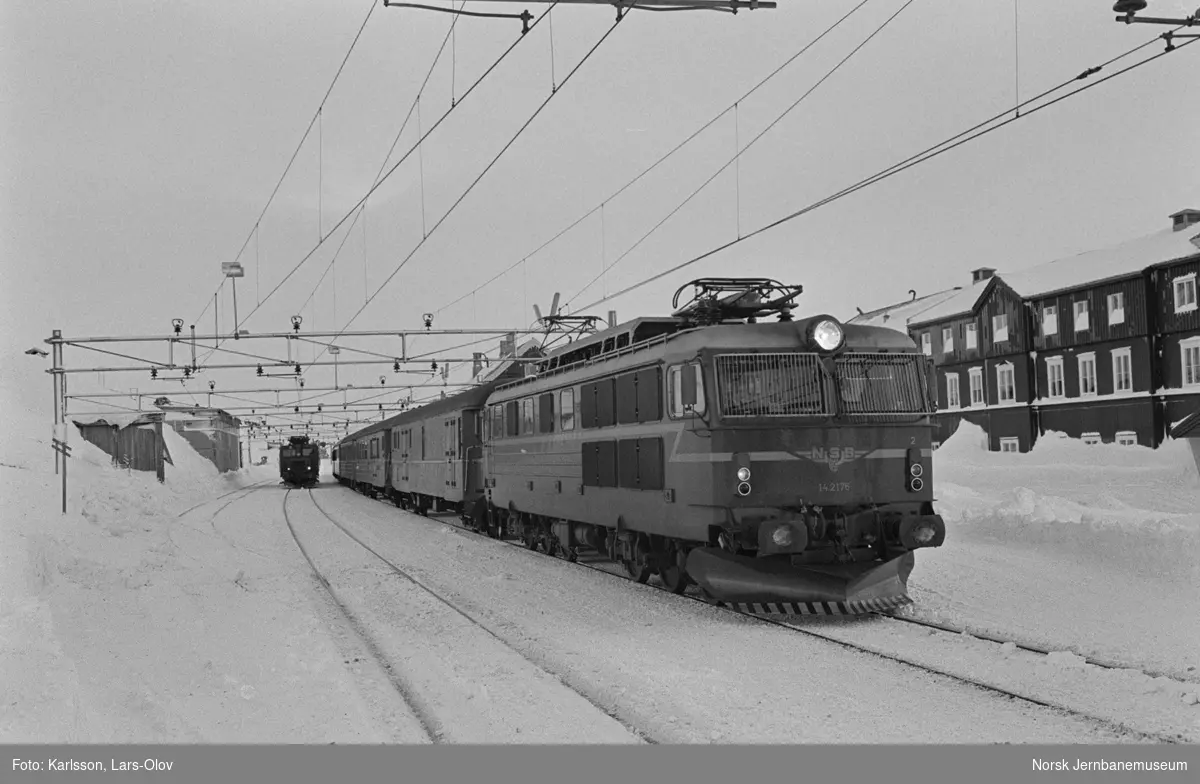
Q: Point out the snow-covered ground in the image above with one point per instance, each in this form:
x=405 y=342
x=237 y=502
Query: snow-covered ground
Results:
x=125 y=620
x=1092 y=549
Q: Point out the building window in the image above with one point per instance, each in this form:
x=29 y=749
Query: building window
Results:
x=1049 y=320
x=947 y=340
x=1127 y=438
x=952 y=391
x=1190 y=355
x=566 y=409
x=1091 y=438
x=1185 y=293
x=1087 y=374
x=1006 y=387
x=1122 y=370
x=1054 y=377
x=1116 y=308
x=1010 y=445
x=1000 y=328
x=1081 y=315
x=972 y=338
x=976 y=375
x=926 y=344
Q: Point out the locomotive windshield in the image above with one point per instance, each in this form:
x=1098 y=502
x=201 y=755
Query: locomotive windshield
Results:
x=755 y=385
x=794 y=384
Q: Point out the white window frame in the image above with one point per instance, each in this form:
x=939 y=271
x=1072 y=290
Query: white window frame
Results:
x=1053 y=363
x=1083 y=359
x=1117 y=355
x=1182 y=287
x=1091 y=438
x=1081 y=318
x=1127 y=438
x=1000 y=328
x=927 y=344
x=1010 y=441
x=947 y=339
x=972 y=338
x=953 y=391
x=973 y=374
x=1186 y=347
x=1006 y=368
x=1116 y=308
x=1049 y=321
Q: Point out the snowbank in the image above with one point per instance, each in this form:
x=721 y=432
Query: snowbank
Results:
x=1118 y=504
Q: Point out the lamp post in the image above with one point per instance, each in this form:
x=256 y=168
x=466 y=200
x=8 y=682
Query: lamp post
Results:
x=335 y=351
x=233 y=270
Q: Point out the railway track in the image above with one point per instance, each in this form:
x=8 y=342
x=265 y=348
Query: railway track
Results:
x=607 y=568
x=409 y=693
x=1102 y=663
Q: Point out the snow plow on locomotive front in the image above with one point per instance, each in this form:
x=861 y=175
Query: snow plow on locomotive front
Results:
x=299 y=462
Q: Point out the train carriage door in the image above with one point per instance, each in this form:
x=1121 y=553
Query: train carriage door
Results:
x=456 y=451
x=388 y=443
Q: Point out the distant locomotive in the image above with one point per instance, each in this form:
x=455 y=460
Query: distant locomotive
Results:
x=781 y=467
x=299 y=462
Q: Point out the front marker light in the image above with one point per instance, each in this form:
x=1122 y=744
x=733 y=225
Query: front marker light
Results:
x=743 y=474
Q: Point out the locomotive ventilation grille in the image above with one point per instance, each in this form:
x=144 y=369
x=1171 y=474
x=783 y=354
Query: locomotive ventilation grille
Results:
x=864 y=386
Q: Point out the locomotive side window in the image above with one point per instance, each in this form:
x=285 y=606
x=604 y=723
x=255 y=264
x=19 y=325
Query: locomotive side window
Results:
x=527 y=416
x=546 y=413
x=422 y=442
x=675 y=389
x=566 y=399
x=512 y=418
x=497 y=421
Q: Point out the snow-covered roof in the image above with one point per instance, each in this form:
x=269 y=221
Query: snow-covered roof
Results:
x=1118 y=261
x=898 y=315
x=963 y=301
x=1188 y=427
x=119 y=421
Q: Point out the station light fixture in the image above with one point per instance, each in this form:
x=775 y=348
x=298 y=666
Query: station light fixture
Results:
x=296 y=322
x=177 y=324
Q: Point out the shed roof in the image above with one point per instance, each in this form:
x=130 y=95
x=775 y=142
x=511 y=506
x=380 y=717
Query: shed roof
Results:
x=1118 y=261
x=119 y=421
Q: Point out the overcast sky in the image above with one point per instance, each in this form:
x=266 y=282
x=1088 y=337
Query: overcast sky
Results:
x=143 y=139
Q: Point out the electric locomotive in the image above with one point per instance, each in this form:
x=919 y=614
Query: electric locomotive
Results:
x=781 y=467
x=299 y=462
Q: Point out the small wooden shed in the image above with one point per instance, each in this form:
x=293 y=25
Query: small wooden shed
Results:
x=132 y=440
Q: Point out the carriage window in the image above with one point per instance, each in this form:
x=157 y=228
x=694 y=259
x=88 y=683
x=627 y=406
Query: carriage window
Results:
x=567 y=409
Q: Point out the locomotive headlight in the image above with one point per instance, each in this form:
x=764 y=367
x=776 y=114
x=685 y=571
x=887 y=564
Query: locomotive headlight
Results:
x=827 y=334
x=743 y=488
x=916 y=469
x=743 y=474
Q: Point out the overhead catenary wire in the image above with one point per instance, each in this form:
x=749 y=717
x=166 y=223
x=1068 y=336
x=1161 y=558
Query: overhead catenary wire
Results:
x=487 y=168
x=360 y=205
x=661 y=160
x=737 y=156
x=945 y=146
x=303 y=138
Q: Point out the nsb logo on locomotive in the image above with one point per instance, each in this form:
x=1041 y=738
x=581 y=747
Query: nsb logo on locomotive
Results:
x=835 y=456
